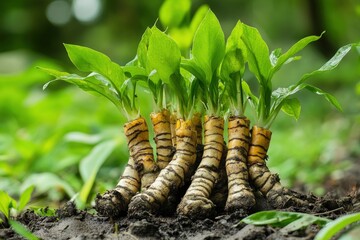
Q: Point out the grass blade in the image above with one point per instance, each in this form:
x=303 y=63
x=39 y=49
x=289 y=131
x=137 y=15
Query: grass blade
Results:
x=90 y=166
x=25 y=198
x=288 y=221
x=335 y=226
x=22 y=230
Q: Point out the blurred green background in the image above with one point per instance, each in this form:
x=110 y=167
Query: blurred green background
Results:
x=46 y=136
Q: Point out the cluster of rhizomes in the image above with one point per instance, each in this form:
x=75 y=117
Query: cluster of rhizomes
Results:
x=195 y=173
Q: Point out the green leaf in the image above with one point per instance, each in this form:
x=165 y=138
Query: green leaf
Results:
x=304 y=221
x=135 y=72
x=25 y=198
x=90 y=165
x=298 y=46
x=53 y=72
x=259 y=64
x=258 y=54
x=332 y=63
x=233 y=66
x=6 y=202
x=198 y=17
x=330 y=98
x=274 y=56
x=251 y=97
x=163 y=55
x=92 y=83
x=89 y=60
x=235 y=55
x=292 y=107
x=337 y=225
x=273 y=218
x=44 y=211
x=208 y=45
x=288 y=221
x=45 y=182
x=193 y=67
x=22 y=230
x=352 y=234
x=173 y=12
x=143 y=49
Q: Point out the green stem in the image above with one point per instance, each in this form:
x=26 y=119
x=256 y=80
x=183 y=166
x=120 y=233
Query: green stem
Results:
x=240 y=97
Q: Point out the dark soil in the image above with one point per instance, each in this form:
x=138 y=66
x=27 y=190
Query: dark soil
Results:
x=70 y=223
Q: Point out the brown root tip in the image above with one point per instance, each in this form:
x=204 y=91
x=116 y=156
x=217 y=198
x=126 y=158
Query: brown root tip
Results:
x=283 y=198
x=141 y=203
x=110 y=204
x=244 y=203
x=196 y=208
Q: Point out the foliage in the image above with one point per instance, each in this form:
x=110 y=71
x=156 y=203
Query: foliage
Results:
x=22 y=230
x=292 y=221
x=214 y=68
x=232 y=70
x=264 y=65
x=287 y=221
x=46 y=134
x=337 y=225
x=207 y=52
x=106 y=78
x=7 y=203
x=89 y=167
x=44 y=211
x=176 y=18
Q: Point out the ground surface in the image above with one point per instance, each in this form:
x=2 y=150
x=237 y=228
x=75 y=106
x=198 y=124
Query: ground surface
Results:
x=70 y=223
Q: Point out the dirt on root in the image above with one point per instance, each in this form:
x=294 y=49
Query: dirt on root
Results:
x=70 y=223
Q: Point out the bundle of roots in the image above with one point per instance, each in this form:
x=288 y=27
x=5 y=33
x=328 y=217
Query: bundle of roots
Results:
x=195 y=173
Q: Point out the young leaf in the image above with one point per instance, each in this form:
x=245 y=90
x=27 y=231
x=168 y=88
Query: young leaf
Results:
x=163 y=55
x=91 y=83
x=44 y=211
x=292 y=107
x=335 y=226
x=298 y=46
x=327 y=96
x=274 y=56
x=89 y=60
x=233 y=67
x=47 y=181
x=135 y=72
x=24 y=198
x=173 y=12
x=235 y=55
x=258 y=54
x=289 y=221
x=260 y=65
x=198 y=17
x=90 y=165
x=352 y=234
x=304 y=221
x=273 y=218
x=143 y=49
x=193 y=67
x=6 y=202
x=251 y=97
x=22 y=230
x=208 y=45
x=332 y=63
